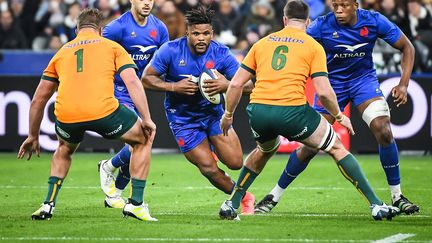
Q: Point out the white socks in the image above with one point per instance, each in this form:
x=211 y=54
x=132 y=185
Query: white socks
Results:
x=277 y=192
x=395 y=192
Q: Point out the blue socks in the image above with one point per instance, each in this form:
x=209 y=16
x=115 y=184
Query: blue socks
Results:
x=123 y=177
x=293 y=168
x=122 y=157
x=122 y=160
x=390 y=163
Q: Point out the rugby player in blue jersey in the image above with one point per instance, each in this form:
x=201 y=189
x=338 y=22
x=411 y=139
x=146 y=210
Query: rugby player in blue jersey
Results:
x=348 y=35
x=193 y=120
x=141 y=34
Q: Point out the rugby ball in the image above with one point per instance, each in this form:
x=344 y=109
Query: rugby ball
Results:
x=206 y=75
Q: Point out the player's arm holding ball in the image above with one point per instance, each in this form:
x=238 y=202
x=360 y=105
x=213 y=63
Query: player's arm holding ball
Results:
x=159 y=65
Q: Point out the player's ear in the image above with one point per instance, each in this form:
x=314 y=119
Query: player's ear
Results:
x=100 y=31
x=285 y=20
x=308 y=21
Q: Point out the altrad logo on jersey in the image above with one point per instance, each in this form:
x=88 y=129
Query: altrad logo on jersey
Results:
x=351 y=51
x=142 y=49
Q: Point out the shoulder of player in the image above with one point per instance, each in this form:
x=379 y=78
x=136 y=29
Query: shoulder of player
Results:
x=368 y=15
x=155 y=20
x=325 y=18
x=111 y=43
x=173 y=46
x=219 y=47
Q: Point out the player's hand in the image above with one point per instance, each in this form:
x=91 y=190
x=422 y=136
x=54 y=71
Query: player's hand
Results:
x=185 y=86
x=149 y=128
x=346 y=122
x=30 y=146
x=225 y=124
x=215 y=86
x=400 y=94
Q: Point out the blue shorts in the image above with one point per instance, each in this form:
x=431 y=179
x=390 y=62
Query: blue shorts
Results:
x=190 y=135
x=129 y=105
x=355 y=92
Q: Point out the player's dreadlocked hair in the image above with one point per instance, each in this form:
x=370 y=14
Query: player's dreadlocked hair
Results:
x=199 y=15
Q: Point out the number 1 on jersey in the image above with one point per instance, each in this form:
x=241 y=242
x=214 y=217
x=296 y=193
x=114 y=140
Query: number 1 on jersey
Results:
x=80 y=56
x=279 y=57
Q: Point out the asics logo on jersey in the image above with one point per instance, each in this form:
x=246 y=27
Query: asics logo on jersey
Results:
x=141 y=57
x=352 y=48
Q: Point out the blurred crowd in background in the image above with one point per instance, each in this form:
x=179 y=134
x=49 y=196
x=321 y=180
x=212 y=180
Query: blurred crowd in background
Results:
x=48 y=24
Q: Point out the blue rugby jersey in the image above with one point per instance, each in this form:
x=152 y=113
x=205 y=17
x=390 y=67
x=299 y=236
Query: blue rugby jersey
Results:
x=175 y=60
x=141 y=42
x=349 y=48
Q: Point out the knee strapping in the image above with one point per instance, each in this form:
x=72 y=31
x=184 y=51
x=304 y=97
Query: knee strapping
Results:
x=375 y=109
x=328 y=139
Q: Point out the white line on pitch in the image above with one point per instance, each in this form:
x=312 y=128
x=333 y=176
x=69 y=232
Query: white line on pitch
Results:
x=196 y=188
x=174 y=239
x=318 y=215
x=394 y=238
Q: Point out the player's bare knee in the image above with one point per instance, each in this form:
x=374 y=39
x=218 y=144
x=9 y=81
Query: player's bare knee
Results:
x=237 y=165
x=208 y=170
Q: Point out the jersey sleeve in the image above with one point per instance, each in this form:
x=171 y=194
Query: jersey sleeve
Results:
x=319 y=63
x=230 y=65
x=122 y=59
x=314 y=29
x=112 y=31
x=164 y=36
x=387 y=30
x=249 y=62
x=161 y=59
x=50 y=72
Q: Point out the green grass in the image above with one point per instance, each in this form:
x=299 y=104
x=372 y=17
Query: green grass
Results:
x=320 y=206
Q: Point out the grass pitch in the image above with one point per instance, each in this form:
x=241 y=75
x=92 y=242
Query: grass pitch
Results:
x=320 y=206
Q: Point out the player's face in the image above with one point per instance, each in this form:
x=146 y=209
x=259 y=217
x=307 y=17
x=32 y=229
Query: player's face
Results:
x=142 y=7
x=345 y=11
x=199 y=37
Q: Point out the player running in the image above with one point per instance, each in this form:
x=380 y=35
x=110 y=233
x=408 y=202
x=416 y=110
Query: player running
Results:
x=193 y=120
x=348 y=36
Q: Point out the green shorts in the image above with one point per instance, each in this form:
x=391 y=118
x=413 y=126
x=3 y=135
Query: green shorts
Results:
x=293 y=122
x=112 y=126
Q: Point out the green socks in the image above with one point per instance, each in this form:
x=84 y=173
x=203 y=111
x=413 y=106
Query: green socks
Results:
x=137 y=191
x=54 y=185
x=350 y=168
x=245 y=179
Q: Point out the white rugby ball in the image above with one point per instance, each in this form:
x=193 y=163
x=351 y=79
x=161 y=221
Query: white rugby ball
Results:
x=206 y=75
